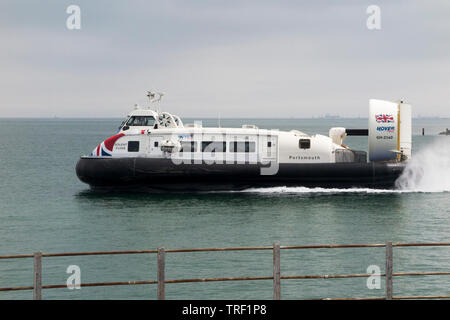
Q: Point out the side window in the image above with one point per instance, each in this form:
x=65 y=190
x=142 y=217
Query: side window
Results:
x=212 y=146
x=246 y=146
x=130 y=121
x=304 y=143
x=133 y=146
x=141 y=121
x=150 y=121
x=188 y=146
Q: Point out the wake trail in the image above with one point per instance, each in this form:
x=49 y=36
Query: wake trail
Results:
x=427 y=172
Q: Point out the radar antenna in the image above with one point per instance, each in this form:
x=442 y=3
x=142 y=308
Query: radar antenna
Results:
x=154 y=96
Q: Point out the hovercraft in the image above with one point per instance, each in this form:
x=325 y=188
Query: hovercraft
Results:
x=155 y=150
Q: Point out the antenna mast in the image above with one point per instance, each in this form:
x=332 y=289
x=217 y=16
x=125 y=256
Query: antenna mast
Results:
x=154 y=97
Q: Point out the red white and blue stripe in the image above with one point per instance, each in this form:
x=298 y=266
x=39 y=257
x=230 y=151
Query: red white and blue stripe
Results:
x=105 y=148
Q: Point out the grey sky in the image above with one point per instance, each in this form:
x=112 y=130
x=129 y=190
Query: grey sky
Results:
x=237 y=58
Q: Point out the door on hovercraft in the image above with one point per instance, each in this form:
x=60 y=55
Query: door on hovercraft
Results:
x=155 y=145
x=268 y=148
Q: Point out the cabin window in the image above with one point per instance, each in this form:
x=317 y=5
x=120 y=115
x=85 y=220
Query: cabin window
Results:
x=141 y=121
x=133 y=146
x=156 y=143
x=188 y=146
x=269 y=144
x=238 y=146
x=304 y=143
x=213 y=146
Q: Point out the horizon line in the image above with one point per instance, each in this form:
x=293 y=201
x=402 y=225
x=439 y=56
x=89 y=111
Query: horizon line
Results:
x=226 y=118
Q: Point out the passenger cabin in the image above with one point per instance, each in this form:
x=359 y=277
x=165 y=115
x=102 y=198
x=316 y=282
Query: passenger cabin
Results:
x=153 y=134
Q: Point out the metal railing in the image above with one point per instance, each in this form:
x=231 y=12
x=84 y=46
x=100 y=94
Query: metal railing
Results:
x=161 y=280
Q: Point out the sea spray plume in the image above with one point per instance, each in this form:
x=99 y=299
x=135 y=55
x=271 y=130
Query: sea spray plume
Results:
x=429 y=169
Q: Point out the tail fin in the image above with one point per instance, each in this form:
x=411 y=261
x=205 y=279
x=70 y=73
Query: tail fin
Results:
x=389 y=131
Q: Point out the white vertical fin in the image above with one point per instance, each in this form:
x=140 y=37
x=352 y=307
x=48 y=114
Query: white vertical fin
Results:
x=405 y=130
x=389 y=131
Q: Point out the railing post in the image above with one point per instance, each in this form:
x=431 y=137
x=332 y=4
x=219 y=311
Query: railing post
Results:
x=37 y=286
x=276 y=271
x=161 y=273
x=389 y=269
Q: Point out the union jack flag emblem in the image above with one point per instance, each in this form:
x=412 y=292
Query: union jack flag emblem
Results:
x=385 y=118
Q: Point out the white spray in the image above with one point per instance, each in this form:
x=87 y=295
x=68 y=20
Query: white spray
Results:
x=429 y=169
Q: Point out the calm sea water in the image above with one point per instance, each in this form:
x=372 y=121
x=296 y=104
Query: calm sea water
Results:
x=44 y=207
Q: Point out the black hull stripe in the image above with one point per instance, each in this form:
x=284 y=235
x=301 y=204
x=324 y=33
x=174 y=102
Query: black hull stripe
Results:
x=164 y=174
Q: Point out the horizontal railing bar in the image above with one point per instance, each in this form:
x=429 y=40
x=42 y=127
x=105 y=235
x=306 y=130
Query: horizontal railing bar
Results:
x=98 y=284
x=330 y=276
x=17 y=256
x=328 y=246
x=425 y=244
x=362 y=275
x=356 y=298
x=333 y=246
x=102 y=284
x=433 y=273
x=97 y=253
x=95 y=284
x=368 y=245
x=132 y=252
x=67 y=254
x=16 y=288
x=421 y=297
x=298 y=277
x=219 y=249
x=218 y=279
x=224 y=279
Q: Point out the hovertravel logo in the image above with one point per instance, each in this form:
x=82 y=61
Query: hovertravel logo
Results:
x=386 y=129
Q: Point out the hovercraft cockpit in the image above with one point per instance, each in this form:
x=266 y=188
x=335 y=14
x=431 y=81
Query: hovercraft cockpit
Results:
x=145 y=118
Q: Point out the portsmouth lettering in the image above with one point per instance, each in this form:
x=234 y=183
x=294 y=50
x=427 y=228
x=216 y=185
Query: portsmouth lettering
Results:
x=304 y=157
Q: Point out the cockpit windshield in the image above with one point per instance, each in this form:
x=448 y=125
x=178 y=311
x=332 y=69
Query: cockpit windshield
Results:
x=141 y=121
